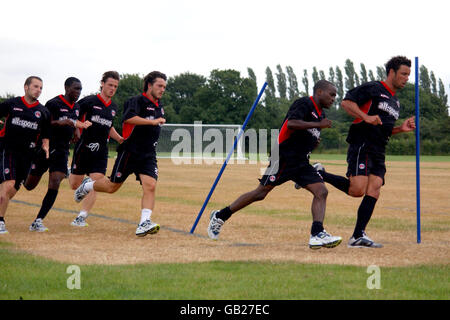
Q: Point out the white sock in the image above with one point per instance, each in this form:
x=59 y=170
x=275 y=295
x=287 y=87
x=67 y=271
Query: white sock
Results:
x=145 y=215
x=83 y=214
x=89 y=186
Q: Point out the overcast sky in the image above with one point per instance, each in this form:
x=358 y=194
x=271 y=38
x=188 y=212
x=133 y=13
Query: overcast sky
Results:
x=58 y=39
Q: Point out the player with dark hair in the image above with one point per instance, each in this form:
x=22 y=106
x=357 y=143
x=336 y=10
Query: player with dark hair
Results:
x=375 y=109
x=90 y=155
x=142 y=119
x=26 y=122
x=298 y=137
x=64 y=112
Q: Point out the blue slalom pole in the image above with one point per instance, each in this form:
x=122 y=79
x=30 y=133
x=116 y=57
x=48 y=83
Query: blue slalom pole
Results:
x=417 y=150
x=229 y=156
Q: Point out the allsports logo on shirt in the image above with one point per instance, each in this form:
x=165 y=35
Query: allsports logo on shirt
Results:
x=100 y=120
x=386 y=107
x=24 y=123
x=314 y=132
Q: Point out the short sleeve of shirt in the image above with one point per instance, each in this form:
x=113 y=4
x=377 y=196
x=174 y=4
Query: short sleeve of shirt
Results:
x=84 y=107
x=130 y=108
x=52 y=108
x=361 y=94
x=297 y=111
x=45 y=127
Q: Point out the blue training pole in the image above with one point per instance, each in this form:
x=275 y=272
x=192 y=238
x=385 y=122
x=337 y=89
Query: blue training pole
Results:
x=229 y=156
x=417 y=150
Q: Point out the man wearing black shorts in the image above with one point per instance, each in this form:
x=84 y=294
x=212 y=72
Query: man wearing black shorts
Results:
x=90 y=155
x=298 y=137
x=375 y=109
x=142 y=120
x=64 y=112
x=27 y=121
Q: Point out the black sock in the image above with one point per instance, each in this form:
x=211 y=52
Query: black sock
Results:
x=365 y=211
x=339 y=182
x=47 y=203
x=316 y=227
x=2 y=219
x=224 y=214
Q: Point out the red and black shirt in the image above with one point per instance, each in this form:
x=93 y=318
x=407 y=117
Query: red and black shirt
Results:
x=24 y=126
x=296 y=145
x=373 y=98
x=141 y=140
x=101 y=114
x=61 y=109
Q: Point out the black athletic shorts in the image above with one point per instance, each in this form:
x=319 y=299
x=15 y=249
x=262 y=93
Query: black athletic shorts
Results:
x=301 y=173
x=365 y=159
x=14 y=167
x=127 y=163
x=85 y=161
x=57 y=161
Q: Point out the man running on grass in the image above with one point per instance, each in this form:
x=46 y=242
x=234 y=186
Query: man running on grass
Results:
x=142 y=119
x=64 y=112
x=26 y=122
x=375 y=109
x=299 y=135
x=90 y=156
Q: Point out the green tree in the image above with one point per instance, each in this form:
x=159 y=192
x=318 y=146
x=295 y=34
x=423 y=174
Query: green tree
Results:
x=293 y=83
x=339 y=85
x=441 y=93
x=251 y=74
x=322 y=75
x=364 y=77
x=350 y=75
x=381 y=73
x=281 y=82
x=424 y=78
x=433 y=83
x=332 y=75
x=6 y=97
x=315 y=75
x=371 y=76
x=180 y=94
x=129 y=85
x=226 y=97
x=305 y=81
x=270 y=90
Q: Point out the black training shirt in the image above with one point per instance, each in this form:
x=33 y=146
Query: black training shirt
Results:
x=141 y=140
x=101 y=114
x=61 y=109
x=373 y=98
x=24 y=125
x=296 y=145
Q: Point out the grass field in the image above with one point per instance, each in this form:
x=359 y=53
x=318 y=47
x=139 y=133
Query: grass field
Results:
x=262 y=253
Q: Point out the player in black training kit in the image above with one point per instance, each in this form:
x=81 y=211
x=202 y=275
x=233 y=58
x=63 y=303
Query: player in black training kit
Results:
x=64 y=112
x=376 y=109
x=142 y=118
x=90 y=155
x=298 y=137
x=27 y=121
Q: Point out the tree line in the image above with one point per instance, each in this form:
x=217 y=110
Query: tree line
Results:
x=225 y=97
